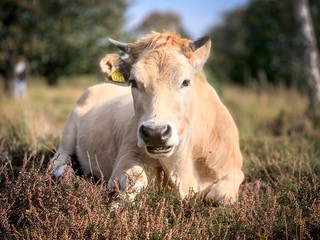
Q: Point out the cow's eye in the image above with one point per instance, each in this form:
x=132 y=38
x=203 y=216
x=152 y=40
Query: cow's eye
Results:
x=185 y=83
x=133 y=83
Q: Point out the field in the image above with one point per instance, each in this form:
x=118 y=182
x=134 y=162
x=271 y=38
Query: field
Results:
x=279 y=199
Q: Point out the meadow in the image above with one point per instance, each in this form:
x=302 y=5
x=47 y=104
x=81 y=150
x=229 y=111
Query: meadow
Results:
x=279 y=199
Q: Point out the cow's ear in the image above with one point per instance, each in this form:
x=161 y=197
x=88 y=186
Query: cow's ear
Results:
x=115 y=69
x=201 y=51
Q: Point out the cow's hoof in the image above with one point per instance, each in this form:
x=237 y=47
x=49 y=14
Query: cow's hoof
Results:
x=222 y=194
x=62 y=170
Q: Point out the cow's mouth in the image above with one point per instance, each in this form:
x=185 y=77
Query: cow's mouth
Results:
x=159 y=149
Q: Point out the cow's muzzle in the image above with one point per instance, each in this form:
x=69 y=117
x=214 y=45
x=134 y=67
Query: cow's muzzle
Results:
x=156 y=138
x=155 y=134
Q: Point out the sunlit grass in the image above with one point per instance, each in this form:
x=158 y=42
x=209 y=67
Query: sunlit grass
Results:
x=253 y=110
x=46 y=108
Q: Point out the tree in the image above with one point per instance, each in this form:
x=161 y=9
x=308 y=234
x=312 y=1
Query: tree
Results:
x=57 y=37
x=159 y=21
x=261 y=41
x=228 y=44
x=311 y=55
x=271 y=40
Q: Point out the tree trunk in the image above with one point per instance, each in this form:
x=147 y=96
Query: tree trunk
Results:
x=311 y=56
x=9 y=49
x=8 y=80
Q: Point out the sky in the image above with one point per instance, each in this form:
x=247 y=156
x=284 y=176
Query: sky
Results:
x=197 y=16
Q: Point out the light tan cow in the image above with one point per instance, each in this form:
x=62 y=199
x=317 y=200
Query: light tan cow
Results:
x=170 y=119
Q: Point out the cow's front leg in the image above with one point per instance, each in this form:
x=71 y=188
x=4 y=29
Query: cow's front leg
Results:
x=225 y=191
x=129 y=176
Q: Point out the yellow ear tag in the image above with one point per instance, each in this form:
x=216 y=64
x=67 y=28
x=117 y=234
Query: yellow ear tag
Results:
x=117 y=77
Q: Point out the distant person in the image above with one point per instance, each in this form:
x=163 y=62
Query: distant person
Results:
x=20 y=72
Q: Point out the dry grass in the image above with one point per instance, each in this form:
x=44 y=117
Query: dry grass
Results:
x=280 y=198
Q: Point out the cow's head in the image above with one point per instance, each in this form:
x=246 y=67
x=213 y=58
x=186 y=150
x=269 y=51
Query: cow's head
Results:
x=162 y=70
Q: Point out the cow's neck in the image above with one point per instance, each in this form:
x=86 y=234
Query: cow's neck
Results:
x=180 y=169
x=204 y=116
x=183 y=168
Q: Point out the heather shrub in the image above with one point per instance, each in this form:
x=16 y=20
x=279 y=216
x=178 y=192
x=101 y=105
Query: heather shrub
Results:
x=279 y=199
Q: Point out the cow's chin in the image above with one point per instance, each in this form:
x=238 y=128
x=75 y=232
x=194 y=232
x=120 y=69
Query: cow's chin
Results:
x=159 y=151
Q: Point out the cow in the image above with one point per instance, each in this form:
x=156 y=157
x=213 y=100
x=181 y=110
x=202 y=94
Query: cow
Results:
x=160 y=112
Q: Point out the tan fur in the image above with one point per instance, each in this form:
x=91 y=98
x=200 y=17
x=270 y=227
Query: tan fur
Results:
x=103 y=127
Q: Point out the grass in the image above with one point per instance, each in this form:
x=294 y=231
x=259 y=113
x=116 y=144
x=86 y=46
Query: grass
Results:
x=279 y=199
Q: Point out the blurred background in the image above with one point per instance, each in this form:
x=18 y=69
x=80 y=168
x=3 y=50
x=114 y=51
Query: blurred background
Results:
x=253 y=41
x=258 y=45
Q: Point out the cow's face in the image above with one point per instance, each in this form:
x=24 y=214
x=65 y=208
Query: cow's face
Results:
x=161 y=82
x=164 y=95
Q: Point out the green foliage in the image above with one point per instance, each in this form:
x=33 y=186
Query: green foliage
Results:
x=57 y=37
x=272 y=42
x=261 y=43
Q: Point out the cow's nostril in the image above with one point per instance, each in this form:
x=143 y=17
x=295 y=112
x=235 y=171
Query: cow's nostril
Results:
x=166 y=132
x=145 y=132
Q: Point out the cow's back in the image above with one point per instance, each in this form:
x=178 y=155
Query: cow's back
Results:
x=98 y=94
x=102 y=113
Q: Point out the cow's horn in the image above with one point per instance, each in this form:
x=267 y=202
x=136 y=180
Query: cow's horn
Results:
x=198 y=43
x=122 y=46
